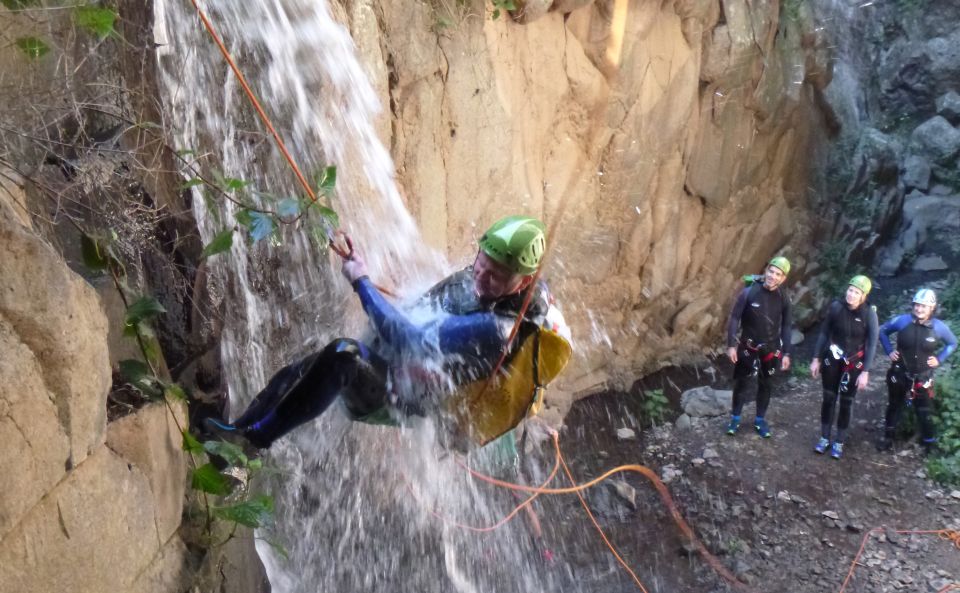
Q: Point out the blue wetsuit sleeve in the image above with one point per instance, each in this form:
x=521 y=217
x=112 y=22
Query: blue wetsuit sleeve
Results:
x=474 y=335
x=390 y=324
x=733 y=325
x=891 y=327
x=870 y=348
x=946 y=336
x=786 y=326
x=477 y=335
x=824 y=336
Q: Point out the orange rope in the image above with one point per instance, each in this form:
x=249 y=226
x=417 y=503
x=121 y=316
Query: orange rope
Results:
x=507 y=518
x=599 y=529
x=640 y=469
x=945 y=534
x=343 y=253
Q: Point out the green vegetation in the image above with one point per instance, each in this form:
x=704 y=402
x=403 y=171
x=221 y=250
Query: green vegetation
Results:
x=654 y=406
x=944 y=467
x=501 y=5
x=800 y=370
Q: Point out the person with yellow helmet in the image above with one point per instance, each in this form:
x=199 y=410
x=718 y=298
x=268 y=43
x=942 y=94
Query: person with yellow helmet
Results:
x=843 y=356
x=923 y=344
x=408 y=368
x=761 y=314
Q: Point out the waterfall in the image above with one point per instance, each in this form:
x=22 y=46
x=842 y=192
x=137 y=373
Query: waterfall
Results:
x=352 y=500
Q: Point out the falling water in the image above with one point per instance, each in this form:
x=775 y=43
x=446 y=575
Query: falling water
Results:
x=352 y=499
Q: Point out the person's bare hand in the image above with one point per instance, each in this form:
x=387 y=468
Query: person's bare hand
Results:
x=894 y=356
x=933 y=362
x=785 y=363
x=862 y=380
x=354 y=267
x=732 y=354
x=815 y=368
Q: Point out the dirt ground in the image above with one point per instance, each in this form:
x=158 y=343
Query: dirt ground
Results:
x=783 y=518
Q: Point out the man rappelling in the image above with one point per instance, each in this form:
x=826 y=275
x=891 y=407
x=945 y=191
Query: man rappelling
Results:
x=444 y=367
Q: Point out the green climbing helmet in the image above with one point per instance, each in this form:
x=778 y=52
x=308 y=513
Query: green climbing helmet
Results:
x=781 y=263
x=862 y=283
x=517 y=242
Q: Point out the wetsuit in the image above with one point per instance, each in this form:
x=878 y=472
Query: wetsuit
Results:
x=763 y=318
x=910 y=377
x=464 y=340
x=846 y=347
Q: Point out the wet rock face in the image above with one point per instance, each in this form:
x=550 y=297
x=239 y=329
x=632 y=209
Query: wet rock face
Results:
x=673 y=136
x=86 y=507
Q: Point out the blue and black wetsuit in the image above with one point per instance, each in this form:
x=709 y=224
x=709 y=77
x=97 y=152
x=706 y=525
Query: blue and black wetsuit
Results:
x=763 y=318
x=466 y=338
x=911 y=377
x=846 y=347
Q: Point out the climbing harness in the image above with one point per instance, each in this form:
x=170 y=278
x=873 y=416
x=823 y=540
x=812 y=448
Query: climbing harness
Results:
x=753 y=351
x=848 y=364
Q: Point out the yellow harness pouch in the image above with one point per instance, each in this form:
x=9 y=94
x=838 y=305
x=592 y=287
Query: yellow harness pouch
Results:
x=483 y=412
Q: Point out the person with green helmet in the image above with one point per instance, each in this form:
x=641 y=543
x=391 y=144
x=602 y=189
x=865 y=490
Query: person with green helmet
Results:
x=843 y=356
x=408 y=365
x=761 y=315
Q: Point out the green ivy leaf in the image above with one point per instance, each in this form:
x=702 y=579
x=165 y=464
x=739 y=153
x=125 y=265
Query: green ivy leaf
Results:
x=255 y=512
x=255 y=464
x=244 y=218
x=16 y=5
x=95 y=19
x=234 y=184
x=138 y=374
x=223 y=241
x=33 y=47
x=330 y=216
x=144 y=309
x=174 y=391
x=192 y=182
x=261 y=226
x=95 y=255
x=191 y=444
x=326 y=180
x=288 y=208
x=230 y=453
x=207 y=479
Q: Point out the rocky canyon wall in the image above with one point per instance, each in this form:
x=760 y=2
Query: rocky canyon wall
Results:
x=667 y=143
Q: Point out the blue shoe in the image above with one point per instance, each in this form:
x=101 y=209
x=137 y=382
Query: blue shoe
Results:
x=734 y=425
x=822 y=445
x=836 y=450
x=762 y=428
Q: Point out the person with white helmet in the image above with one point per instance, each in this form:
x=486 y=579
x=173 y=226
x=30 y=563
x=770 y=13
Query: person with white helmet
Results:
x=923 y=344
x=442 y=365
x=761 y=314
x=843 y=356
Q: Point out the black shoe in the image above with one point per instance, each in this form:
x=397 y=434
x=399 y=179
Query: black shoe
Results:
x=229 y=433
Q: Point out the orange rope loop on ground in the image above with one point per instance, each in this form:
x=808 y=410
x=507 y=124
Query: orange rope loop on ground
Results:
x=640 y=469
x=944 y=534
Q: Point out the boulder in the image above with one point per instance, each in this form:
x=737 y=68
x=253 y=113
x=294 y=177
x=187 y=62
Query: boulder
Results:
x=930 y=263
x=916 y=173
x=57 y=317
x=948 y=106
x=706 y=401
x=151 y=441
x=94 y=532
x=936 y=140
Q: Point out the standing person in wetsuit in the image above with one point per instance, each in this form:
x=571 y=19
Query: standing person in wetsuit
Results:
x=407 y=367
x=910 y=378
x=843 y=355
x=762 y=314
